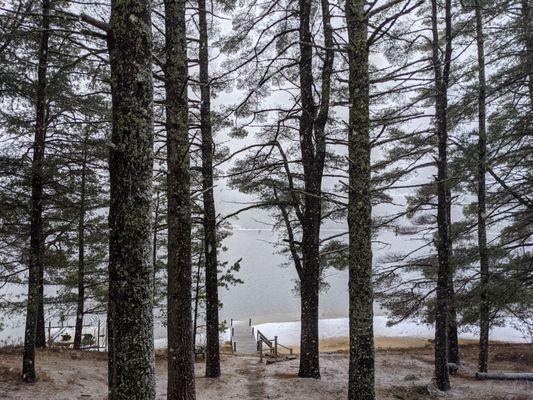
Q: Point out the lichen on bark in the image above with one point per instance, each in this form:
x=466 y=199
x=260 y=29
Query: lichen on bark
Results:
x=130 y=319
x=361 y=368
x=181 y=384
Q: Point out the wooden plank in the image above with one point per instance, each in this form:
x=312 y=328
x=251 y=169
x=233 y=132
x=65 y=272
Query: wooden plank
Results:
x=505 y=376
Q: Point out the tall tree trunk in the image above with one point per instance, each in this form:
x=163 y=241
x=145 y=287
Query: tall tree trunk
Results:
x=212 y=359
x=196 y=300
x=442 y=71
x=309 y=279
x=81 y=253
x=484 y=305
x=453 y=331
x=309 y=292
x=453 y=334
x=130 y=319
x=35 y=270
x=155 y=231
x=361 y=370
x=181 y=384
x=40 y=334
x=312 y=125
x=527 y=17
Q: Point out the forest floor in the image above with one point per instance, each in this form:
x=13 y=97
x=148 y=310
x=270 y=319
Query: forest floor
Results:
x=401 y=373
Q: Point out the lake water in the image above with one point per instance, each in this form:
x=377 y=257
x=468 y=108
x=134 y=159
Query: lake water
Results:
x=267 y=293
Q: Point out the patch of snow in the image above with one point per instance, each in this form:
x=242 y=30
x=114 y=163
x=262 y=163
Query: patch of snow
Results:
x=289 y=332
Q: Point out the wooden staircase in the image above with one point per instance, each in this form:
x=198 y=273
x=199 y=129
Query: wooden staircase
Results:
x=243 y=340
x=246 y=341
x=271 y=350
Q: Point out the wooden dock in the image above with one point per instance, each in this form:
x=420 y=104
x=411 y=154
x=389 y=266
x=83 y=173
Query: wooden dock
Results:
x=243 y=339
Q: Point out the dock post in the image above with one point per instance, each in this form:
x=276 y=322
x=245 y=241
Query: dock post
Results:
x=250 y=322
x=98 y=337
x=275 y=347
x=260 y=350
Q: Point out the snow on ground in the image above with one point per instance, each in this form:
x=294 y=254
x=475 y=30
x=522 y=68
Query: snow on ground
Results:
x=289 y=332
x=400 y=374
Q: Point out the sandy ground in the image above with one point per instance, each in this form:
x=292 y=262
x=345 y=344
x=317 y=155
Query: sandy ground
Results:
x=402 y=373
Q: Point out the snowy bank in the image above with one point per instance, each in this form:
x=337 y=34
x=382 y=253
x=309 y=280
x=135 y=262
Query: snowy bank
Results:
x=289 y=332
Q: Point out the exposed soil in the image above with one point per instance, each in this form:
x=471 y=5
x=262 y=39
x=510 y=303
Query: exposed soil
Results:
x=401 y=374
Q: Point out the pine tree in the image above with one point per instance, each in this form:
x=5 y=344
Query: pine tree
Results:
x=130 y=317
x=442 y=73
x=484 y=308
x=179 y=327
x=361 y=373
x=34 y=312
x=212 y=359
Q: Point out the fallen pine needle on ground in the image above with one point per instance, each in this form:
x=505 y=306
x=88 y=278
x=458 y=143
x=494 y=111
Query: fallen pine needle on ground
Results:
x=401 y=373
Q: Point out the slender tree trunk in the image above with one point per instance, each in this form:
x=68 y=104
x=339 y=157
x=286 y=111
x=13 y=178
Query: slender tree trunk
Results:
x=196 y=300
x=309 y=339
x=527 y=17
x=130 y=319
x=212 y=359
x=312 y=125
x=155 y=232
x=441 y=71
x=484 y=305
x=361 y=370
x=453 y=331
x=81 y=254
x=309 y=279
x=36 y=224
x=40 y=335
x=453 y=335
x=181 y=384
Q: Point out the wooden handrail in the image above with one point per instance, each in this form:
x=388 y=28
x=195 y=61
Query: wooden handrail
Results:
x=285 y=347
x=264 y=339
x=272 y=345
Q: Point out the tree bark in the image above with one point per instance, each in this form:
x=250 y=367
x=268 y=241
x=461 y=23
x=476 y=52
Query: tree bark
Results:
x=527 y=16
x=441 y=72
x=453 y=335
x=453 y=332
x=40 y=335
x=484 y=308
x=309 y=340
x=81 y=253
x=196 y=301
x=181 y=385
x=361 y=369
x=212 y=359
x=312 y=124
x=155 y=233
x=130 y=319
x=35 y=271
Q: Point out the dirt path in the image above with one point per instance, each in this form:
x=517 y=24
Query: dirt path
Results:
x=400 y=374
x=256 y=385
